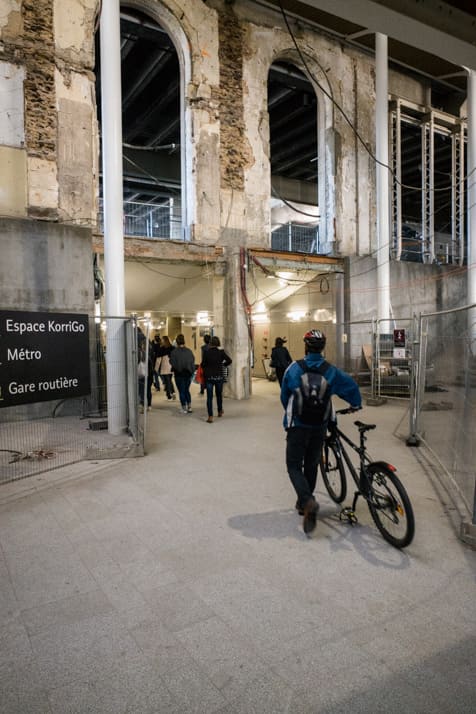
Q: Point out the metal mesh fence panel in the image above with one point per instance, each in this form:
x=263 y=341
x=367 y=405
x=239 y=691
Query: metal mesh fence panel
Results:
x=295 y=238
x=446 y=400
x=41 y=436
x=149 y=220
x=357 y=338
x=393 y=357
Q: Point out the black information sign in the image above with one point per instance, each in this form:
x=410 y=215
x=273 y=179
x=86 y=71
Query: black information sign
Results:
x=399 y=338
x=43 y=356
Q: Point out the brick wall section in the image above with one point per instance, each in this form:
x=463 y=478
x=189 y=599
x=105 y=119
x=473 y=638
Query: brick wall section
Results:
x=234 y=149
x=40 y=109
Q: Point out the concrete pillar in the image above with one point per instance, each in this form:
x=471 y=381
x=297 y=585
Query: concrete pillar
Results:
x=382 y=175
x=340 y=326
x=236 y=337
x=111 y=134
x=174 y=327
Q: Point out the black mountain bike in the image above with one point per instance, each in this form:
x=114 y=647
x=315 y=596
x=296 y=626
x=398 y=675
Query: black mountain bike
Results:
x=376 y=482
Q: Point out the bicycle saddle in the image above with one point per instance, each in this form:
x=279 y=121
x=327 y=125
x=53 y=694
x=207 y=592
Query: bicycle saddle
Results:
x=364 y=427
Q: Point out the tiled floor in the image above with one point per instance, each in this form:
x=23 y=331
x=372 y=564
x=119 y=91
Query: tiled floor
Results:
x=182 y=582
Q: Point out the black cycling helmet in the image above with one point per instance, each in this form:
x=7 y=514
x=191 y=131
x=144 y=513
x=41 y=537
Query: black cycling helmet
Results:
x=315 y=340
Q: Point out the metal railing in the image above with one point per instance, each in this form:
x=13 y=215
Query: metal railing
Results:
x=295 y=238
x=149 y=220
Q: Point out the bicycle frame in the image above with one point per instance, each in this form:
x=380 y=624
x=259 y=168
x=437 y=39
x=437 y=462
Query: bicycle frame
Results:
x=360 y=477
x=376 y=481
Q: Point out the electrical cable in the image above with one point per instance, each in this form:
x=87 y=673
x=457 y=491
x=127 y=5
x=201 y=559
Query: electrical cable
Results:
x=344 y=115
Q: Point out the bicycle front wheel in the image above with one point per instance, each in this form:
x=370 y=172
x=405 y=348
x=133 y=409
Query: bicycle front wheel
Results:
x=333 y=472
x=390 y=506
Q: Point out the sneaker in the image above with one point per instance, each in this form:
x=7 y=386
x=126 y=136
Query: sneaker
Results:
x=189 y=409
x=149 y=409
x=311 y=510
x=185 y=410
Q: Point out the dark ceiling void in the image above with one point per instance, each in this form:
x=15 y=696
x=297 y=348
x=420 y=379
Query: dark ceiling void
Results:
x=292 y=107
x=150 y=109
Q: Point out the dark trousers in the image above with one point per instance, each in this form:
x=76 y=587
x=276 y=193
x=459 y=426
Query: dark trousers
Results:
x=280 y=374
x=142 y=389
x=218 y=384
x=168 y=385
x=303 y=453
x=183 y=386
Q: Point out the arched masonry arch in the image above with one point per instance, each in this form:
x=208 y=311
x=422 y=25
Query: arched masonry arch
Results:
x=258 y=175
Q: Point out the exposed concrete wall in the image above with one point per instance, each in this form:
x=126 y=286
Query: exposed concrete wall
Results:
x=48 y=147
x=45 y=266
x=414 y=288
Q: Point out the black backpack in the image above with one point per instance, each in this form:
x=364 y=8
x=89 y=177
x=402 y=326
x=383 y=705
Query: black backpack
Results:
x=312 y=399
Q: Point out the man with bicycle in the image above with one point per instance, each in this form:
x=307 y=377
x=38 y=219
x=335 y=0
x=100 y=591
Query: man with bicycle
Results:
x=304 y=432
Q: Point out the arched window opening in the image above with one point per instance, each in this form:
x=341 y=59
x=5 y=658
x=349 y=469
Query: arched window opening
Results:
x=292 y=108
x=151 y=128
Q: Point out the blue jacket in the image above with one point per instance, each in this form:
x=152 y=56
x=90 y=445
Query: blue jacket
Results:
x=340 y=383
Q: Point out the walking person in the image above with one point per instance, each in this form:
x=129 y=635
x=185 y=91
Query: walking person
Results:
x=204 y=348
x=145 y=370
x=164 y=367
x=156 y=346
x=183 y=365
x=214 y=359
x=305 y=420
x=280 y=358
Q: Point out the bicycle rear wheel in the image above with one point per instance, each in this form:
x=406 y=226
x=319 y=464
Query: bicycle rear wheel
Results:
x=333 y=472
x=390 y=506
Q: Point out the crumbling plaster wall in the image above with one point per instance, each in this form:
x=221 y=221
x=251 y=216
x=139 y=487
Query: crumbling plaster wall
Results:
x=48 y=178
x=250 y=39
x=51 y=41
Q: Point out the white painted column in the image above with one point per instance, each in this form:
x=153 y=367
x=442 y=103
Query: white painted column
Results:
x=382 y=175
x=111 y=135
x=471 y=202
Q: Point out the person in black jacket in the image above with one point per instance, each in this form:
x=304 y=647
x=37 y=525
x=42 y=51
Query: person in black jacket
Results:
x=280 y=358
x=183 y=365
x=214 y=359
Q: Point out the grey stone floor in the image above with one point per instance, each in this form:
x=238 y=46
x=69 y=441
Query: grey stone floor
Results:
x=182 y=582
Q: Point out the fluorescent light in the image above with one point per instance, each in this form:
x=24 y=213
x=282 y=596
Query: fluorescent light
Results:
x=260 y=317
x=296 y=315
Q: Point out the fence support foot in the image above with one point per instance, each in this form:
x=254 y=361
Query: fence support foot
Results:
x=375 y=401
x=413 y=440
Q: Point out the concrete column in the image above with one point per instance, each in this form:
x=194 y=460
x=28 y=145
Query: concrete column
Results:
x=340 y=313
x=236 y=338
x=383 y=205
x=111 y=135
x=471 y=199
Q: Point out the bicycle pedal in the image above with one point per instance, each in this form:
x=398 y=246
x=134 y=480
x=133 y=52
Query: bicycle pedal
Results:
x=349 y=515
